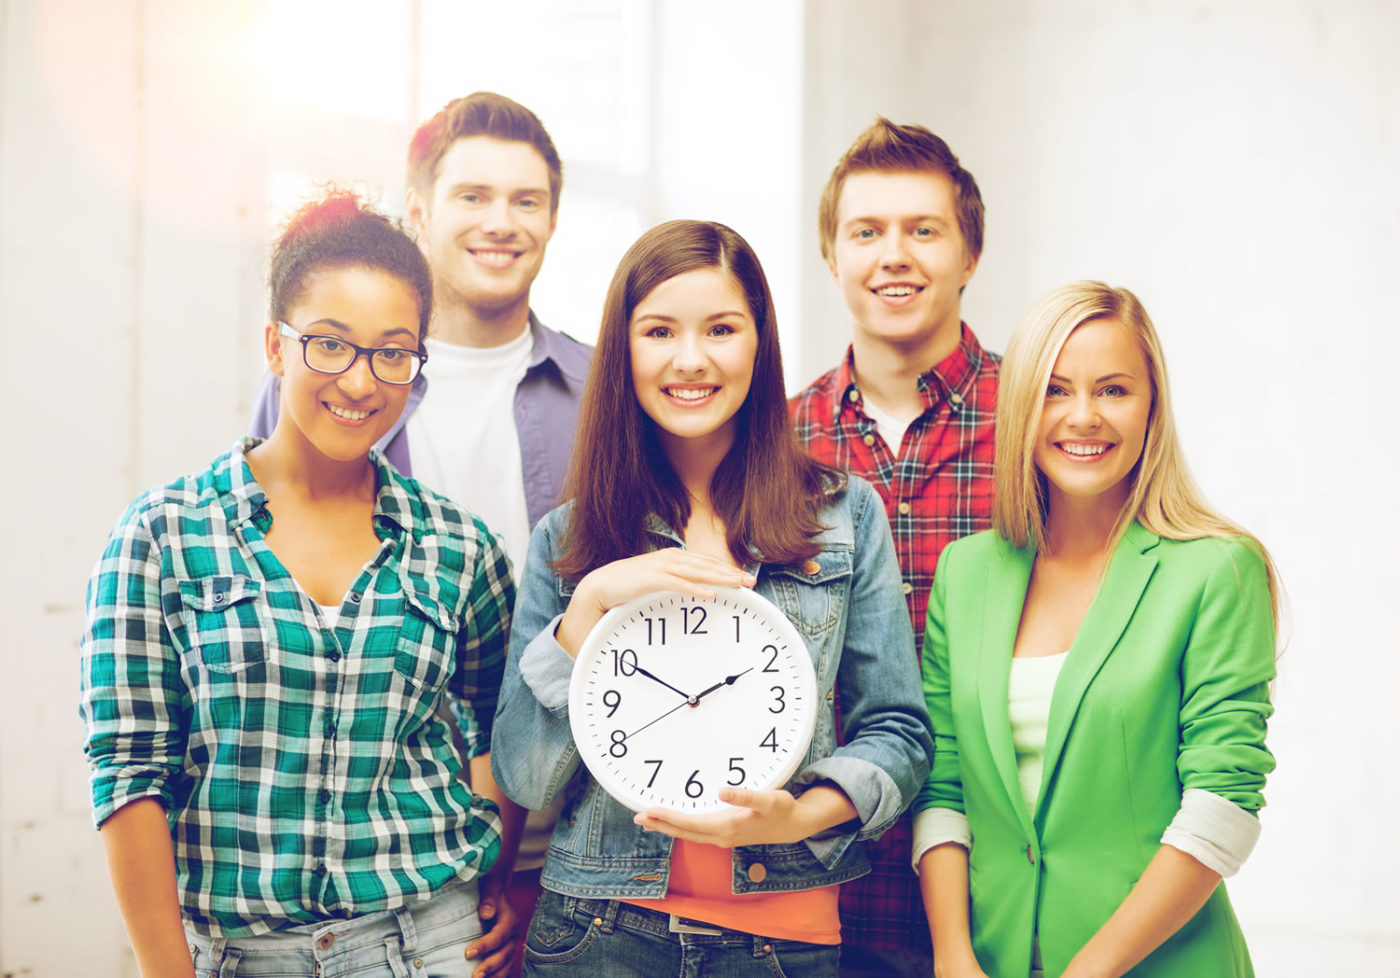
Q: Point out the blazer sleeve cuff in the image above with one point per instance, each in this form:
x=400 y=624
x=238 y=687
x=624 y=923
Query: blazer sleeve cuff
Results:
x=935 y=826
x=1213 y=830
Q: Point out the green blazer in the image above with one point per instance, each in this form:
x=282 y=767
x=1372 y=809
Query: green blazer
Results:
x=1166 y=687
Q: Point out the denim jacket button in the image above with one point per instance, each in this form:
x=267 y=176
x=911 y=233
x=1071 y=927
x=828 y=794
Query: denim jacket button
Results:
x=758 y=873
x=810 y=567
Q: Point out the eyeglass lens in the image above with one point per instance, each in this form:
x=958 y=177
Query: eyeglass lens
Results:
x=391 y=365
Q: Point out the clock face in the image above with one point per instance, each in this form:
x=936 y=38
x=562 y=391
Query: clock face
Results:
x=674 y=697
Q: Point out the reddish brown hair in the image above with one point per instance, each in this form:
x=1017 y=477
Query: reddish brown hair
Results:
x=888 y=147
x=479 y=114
x=767 y=490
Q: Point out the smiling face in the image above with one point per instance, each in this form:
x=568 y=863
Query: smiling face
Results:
x=900 y=259
x=341 y=416
x=692 y=342
x=487 y=222
x=1097 y=406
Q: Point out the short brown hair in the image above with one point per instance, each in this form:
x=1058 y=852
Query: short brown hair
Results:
x=888 y=147
x=479 y=114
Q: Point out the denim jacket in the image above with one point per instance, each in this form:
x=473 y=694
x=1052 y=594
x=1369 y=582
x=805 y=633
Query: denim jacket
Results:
x=850 y=612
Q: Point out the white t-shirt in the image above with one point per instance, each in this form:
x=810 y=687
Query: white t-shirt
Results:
x=1031 y=687
x=891 y=428
x=462 y=440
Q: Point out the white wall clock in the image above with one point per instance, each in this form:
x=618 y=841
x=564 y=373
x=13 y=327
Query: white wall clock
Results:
x=673 y=697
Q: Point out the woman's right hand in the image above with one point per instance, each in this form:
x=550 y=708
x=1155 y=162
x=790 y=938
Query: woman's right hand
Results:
x=669 y=569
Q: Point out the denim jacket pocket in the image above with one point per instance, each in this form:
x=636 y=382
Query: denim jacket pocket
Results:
x=813 y=594
x=224 y=625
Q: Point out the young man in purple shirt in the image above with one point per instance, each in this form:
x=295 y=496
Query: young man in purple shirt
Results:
x=490 y=420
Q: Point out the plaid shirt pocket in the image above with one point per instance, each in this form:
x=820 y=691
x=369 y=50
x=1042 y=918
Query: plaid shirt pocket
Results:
x=224 y=624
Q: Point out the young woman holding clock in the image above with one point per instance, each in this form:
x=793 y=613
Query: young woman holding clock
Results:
x=688 y=479
x=1097 y=667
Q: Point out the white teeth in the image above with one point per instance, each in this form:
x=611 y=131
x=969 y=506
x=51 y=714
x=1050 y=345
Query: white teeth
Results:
x=347 y=414
x=497 y=259
x=1075 y=449
x=690 y=393
x=896 y=290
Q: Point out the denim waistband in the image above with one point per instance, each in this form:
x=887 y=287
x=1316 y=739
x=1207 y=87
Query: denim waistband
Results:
x=324 y=940
x=608 y=915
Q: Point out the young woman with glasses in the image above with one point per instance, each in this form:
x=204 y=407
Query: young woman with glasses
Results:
x=267 y=643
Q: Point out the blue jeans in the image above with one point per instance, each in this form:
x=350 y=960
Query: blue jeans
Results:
x=570 y=936
x=425 y=940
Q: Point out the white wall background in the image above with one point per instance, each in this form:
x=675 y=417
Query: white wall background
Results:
x=1233 y=163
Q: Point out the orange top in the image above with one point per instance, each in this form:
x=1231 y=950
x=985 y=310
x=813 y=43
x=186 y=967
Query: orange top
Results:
x=700 y=888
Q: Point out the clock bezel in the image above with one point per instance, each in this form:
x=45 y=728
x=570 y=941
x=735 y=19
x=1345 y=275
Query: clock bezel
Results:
x=595 y=644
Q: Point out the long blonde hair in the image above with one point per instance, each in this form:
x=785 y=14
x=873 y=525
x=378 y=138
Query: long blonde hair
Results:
x=1164 y=497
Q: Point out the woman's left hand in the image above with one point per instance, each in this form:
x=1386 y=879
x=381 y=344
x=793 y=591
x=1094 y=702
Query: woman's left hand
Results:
x=496 y=946
x=757 y=818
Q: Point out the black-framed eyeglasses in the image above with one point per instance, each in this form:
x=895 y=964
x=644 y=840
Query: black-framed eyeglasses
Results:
x=333 y=355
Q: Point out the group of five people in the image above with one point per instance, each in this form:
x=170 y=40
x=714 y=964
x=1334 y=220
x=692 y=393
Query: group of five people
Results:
x=317 y=709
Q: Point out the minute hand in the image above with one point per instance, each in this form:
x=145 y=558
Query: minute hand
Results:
x=726 y=681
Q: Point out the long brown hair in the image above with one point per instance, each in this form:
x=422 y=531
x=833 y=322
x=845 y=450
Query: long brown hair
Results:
x=767 y=490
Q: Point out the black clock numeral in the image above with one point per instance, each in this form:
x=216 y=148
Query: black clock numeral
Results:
x=696 y=627
x=660 y=631
x=624 y=662
x=619 y=744
x=654 y=771
x=612 y=699
x=737 y=771
x=772 y=651
x=771 y=741
x=781 y=704
x=693 y=788
x=736 y=628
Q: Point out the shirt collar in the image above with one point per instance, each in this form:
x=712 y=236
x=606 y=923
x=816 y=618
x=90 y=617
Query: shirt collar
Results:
x=657 y=525
x=395 y=508
x=951 y=379
x=545 y=341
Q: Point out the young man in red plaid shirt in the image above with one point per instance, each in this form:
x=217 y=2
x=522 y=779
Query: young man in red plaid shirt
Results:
x=910 y=409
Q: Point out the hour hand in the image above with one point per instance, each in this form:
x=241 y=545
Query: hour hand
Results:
x=726 y=681
x=657 y=679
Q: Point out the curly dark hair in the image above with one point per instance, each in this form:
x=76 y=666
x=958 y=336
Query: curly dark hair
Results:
x=336 y=230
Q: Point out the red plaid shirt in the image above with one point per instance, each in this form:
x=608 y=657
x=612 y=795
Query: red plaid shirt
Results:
x=937 y=490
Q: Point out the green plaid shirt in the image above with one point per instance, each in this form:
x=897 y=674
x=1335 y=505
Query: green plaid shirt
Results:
x=305 y=771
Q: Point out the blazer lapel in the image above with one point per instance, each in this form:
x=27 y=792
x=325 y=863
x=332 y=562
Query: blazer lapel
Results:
x=1124 y=580
x=1005 y=598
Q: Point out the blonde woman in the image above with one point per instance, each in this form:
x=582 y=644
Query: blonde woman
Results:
x=1097 y=669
